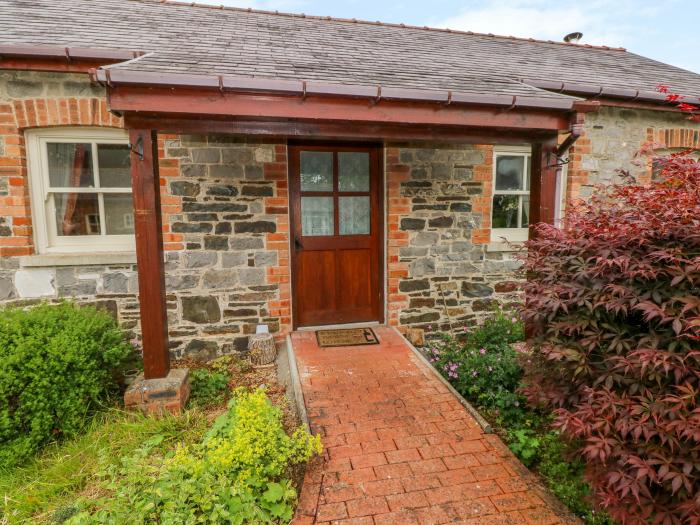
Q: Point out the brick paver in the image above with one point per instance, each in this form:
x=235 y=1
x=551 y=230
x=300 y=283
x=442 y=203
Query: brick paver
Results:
x=401 y=449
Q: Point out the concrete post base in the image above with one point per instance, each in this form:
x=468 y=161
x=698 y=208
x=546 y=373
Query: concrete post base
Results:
x=155 y=396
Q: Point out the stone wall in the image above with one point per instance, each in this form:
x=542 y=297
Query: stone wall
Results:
x=231 y=271
x=612 y=139
x=440 y=271
x=225 y=222
x=30 y=100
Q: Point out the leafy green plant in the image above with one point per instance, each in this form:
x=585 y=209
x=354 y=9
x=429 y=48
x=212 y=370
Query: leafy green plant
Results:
x=208 y=386
x=525 y=444
x=57 y=365
x=484 y=367
x=563 y=470
x=237 y=474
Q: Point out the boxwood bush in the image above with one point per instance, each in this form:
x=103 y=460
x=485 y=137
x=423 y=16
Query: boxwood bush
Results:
x=57 y=365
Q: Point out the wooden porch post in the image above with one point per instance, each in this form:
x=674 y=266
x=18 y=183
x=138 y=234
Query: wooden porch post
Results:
x=543 y=183
x=149 y=252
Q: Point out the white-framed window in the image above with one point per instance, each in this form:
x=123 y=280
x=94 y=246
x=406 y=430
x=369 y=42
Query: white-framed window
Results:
x=510 y=205
x=80 y=183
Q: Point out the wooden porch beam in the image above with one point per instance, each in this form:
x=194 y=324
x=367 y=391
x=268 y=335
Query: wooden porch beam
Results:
x=149 y=252
x=330 y=130
x=543 y=184
x=192 y=103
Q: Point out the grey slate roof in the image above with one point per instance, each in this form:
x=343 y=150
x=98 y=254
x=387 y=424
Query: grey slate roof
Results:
x=188 y=39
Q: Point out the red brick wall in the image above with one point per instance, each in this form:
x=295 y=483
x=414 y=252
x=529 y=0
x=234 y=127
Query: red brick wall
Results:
x=17 y=116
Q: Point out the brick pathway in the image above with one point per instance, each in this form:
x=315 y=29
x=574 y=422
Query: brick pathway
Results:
x=400 y=448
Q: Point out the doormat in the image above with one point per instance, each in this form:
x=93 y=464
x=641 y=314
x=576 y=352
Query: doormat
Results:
x=346 y=337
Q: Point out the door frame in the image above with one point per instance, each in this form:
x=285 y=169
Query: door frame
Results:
x=295 y=210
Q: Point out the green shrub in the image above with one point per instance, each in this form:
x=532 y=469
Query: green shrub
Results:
x=57 y=365
x=238 y=474
x=563 y=470
x=484 y=367
x=208 y=386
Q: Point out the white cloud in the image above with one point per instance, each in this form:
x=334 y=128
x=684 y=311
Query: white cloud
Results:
x=601 y=23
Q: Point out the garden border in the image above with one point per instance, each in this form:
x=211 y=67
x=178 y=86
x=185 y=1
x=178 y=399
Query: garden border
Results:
x=485 y=425
x=296 y=384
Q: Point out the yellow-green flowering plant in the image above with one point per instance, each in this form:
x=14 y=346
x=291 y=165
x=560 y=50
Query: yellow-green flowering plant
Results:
x=238 y=474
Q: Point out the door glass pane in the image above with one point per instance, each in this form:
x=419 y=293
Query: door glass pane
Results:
x=119 y=214
x=113 y=163
x=317 y=216
x=354 y=215
x=353 y=171
x=77 y=214
x=509 y=172
x=316 y=169
x=526 y=211
x=70 y=165
x=505 y=211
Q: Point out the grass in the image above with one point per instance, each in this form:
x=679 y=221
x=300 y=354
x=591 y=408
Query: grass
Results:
x=46 y=489
x=49 y=483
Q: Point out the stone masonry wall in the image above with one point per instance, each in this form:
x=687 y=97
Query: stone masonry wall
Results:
x=439 y=269
x=225 y=224
x=30 y=100
x=231 y=271
x=612 y=138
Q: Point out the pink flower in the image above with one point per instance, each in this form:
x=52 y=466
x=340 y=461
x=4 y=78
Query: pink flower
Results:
x=482 y=351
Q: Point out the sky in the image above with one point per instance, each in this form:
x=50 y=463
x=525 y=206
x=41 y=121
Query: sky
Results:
x=663 y=30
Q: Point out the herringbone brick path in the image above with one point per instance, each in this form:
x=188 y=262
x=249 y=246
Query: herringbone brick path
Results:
x=400 y=448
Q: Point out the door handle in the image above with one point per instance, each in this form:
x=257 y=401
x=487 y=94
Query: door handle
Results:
x=297 y=244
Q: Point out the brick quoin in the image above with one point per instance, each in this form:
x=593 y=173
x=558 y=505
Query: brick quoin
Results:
x=15 y=118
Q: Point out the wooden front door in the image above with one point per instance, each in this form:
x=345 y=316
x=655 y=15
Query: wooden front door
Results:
x=336 y=226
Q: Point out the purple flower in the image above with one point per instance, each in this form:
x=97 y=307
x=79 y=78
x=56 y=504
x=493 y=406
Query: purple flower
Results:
x=482 y=351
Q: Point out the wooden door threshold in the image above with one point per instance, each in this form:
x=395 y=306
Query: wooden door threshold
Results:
x=337 y=326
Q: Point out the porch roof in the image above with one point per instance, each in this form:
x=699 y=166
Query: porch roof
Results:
x=205 y=41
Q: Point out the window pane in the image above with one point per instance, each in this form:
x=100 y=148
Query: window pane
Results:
x=317 y=216
x=113 y=163
x=70 y=165
x=77 y=214
x=526 y=211
x=354 y=215
x=119 y=214
x=505 y=211
x=509 y=172
x=527 y=176
x=353 y=171
x=316 y=171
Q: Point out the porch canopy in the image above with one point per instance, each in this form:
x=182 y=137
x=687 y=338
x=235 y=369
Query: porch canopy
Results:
x=153 y=103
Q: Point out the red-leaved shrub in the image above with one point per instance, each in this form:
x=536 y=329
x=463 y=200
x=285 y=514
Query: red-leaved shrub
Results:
x=614 y=303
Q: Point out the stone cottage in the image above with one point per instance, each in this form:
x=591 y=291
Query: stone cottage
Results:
x=200 y=171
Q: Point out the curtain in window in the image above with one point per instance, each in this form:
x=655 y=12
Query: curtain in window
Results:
x=75 y=176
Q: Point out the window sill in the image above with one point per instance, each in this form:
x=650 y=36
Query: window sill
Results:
x=500 y=246
x=77 y=259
